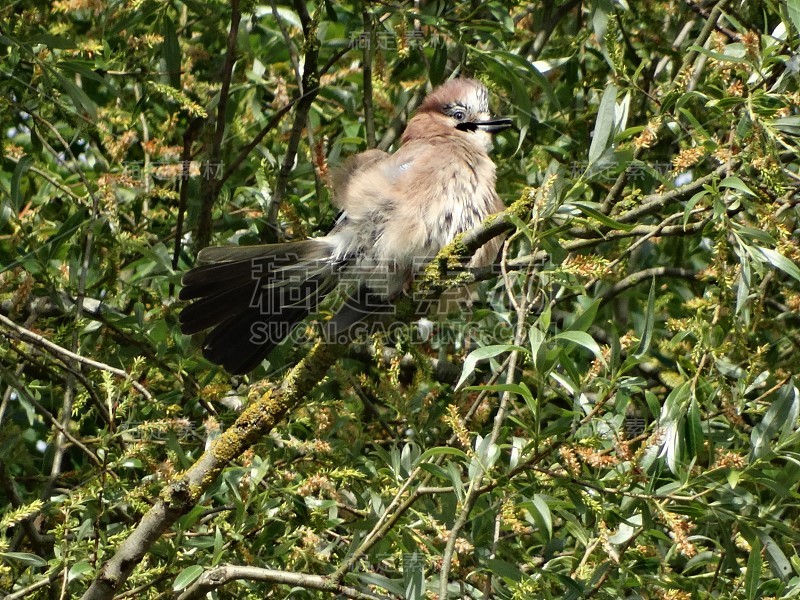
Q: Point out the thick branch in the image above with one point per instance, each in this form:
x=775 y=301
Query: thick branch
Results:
x=175 y=500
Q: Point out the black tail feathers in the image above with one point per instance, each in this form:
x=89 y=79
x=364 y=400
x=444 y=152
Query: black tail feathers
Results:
x=253 y=297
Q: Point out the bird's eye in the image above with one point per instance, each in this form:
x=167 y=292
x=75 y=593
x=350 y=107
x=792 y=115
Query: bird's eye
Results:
x=459 y=115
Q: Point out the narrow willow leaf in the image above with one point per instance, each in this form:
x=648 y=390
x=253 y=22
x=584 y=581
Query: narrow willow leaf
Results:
x=743 y=286
x=586 y=318
x=82 y=102
x=187 y=577
x=734 y=53
x=646 y=337
x=779 y=261
x=687 y=212
x=520 y=389
x=171 y=52
x=604 y=219
x=780 y=565
x=694 y=430
x=793 y=8
x=504 y=569
x=736 y=184
x=544 y=513
x=25 y=558
x=604 y=126
x=16 y=194
x=779 y=413
x=583 y=339
x=79 y=569
x=439 y=451
x=483 y=353
x=537 y=339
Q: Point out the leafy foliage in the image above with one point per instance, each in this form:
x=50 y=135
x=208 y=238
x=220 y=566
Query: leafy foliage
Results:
x=616 y=416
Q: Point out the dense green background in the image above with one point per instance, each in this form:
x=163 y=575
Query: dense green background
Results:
x=631 y=425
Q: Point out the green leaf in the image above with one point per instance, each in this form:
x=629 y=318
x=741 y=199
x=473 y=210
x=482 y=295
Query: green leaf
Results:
x=16 y=194
x=171 y=52
x=583 y=339
x=219 y=544
x=793 y=9
x=504 y=569
x=541 y=513
x=537 y=339
x=780 y=565
x=646 y=337
x=392 y=586
x=586 y=318
x=604 y=126
x=734 y=53
x=79 y=569
x=82 y=102
x=779 y=261
x=694 y=430
x=687 y=212
x=737 y=184
x=743 y=285
x=604 y=219
x=438 y=63
x=414 y=576
x=441 y=451
x=186 y=577
x=782 y=412
x=790 y=125
x=483 y=353
x=697 y=127
x=26 y=558
x=753 y=575
x=520 y=389
x=672 y=413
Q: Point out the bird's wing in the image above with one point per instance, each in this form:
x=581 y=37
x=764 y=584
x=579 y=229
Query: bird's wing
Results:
x=350 y=168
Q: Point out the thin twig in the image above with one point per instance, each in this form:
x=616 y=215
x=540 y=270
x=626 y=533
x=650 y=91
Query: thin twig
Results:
x=186 y=156
x=212 y=187
x=309 y=85
x=474 y=490
x=64 y=354
x=219 y=576
x=366 y=68
x=26 y=592
x=62 y=430
x=186 y=488
x=645 y=274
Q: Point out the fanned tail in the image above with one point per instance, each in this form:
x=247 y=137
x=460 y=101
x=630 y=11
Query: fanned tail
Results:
x=253 y=297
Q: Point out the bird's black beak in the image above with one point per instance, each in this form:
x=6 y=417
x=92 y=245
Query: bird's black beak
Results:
x=491 y=126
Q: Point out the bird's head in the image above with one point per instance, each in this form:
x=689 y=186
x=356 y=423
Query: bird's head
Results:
x=459 y=107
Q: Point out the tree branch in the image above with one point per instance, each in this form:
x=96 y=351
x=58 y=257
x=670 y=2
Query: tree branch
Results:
x=636 y=278
x=369 y=112
x=652 y=203
x=219 y=576
x=309 y=86
x=66 y=355
x=212 y=187
x=180 y=496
